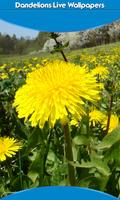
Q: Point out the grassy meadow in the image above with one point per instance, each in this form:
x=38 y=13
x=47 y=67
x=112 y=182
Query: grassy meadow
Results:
x=39 y=147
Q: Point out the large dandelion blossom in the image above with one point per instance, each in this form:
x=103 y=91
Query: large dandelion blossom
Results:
x=53 y=91
x=8 y=147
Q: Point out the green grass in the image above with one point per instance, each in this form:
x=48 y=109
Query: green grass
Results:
x=92 y=50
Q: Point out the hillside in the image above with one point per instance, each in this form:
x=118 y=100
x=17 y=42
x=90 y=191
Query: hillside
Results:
x=89 y=38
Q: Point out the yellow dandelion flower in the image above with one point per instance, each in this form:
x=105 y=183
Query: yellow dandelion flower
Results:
x=30 y=65
x=3 y=66
x=32 y=68
x=44 y=61
x=114 y=123
x=19 y=70
x=13 y=69
x=8 y=147
x=38 y=65
x=101 y=71
x=74 y=122
x=96 y=116
x=3 y=76
x=25 y=68
x=52 y=91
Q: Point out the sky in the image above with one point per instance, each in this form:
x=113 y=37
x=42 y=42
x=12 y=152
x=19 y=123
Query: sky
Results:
x=7 y=28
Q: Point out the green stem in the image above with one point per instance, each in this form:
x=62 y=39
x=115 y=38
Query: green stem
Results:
x=69 y=155
x=20 y=170
x=109 y=113
x=43 y=156
x=9 y=170
x=61 y=51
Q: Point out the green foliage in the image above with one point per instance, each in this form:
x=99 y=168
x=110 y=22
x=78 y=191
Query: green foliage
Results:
x=41 y=161
x=12 y=45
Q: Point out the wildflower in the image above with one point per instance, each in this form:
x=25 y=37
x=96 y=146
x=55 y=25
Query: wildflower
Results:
x=3 y=66
x=8 y=147
x=101 y=71
x=30 y=65
x=96 y=116
x=44 y=61
x=53 y=91
x=13 y=69
x=3 y=76
x=114 y=123
x=38 y=65
x=74 y=122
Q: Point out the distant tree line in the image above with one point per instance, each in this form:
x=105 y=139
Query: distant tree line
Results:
x=93 y=37
x=13 y=45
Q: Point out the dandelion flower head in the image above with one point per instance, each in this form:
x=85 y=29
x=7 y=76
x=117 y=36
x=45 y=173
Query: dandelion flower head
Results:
x=96 y=116
x=53 y=91
x=8 y=147
x=101 y=71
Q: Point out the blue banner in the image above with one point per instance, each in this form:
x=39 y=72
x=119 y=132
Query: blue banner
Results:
x=64 y=193
x=60 y=15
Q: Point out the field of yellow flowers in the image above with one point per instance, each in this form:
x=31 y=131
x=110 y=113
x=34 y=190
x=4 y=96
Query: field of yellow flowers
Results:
x=59 y=121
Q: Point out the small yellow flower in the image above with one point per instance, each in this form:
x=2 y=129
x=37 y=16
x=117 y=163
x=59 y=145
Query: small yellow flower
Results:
x=96 y=116
x=3 y=66
x=8 y=147
x=30 y=65
x=3 y=76
x=44 y=61
x=74 y=122
x=114 y=123
x=19 y=70
x=12 y=69
x=38 y=65
x=53 y=91
x=101 y=71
